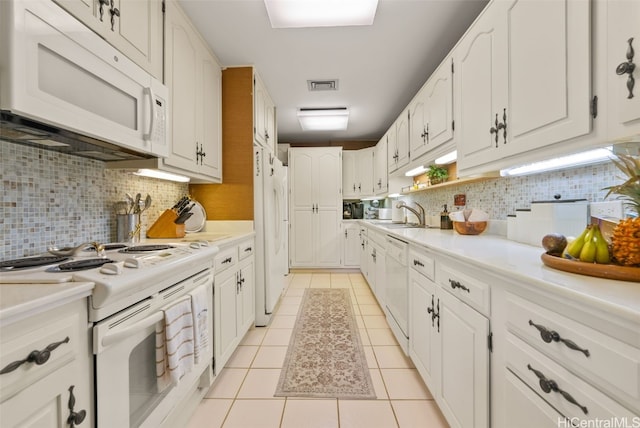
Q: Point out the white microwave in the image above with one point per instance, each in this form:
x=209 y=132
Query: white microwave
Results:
x=56 y=72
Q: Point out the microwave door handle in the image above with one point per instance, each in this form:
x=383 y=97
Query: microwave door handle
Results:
x=119 y=335
x=152 y=97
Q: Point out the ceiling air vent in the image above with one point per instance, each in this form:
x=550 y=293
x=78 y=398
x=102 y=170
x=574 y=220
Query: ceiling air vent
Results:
x=322 y=85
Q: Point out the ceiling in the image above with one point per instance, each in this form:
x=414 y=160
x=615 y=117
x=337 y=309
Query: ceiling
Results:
x=379 y=67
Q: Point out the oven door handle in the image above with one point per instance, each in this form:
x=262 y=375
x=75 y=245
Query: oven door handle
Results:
x=110 y=339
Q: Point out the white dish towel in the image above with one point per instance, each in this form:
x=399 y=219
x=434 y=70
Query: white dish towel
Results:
x=178 y=343
x=200 y=311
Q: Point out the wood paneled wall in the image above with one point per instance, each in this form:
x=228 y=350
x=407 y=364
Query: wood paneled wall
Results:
x=233 y=199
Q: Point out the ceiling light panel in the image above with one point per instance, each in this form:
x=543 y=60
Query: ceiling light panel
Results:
x=320 y=13
x=323 y=119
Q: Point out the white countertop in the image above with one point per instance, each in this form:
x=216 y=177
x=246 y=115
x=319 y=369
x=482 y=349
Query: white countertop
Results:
x=518 y=262
x=18 y=301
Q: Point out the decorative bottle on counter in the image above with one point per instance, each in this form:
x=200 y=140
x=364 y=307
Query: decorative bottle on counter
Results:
x=445 y=221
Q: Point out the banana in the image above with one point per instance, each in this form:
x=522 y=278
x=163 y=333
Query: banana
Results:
x=588 y=252
x=602 y=247
x=575 y=247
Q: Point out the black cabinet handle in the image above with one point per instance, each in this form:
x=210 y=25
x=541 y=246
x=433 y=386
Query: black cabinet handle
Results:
x=103 y=3
x=417 y=263
x=227 y=260
x=75 y=418
x=425 y=134
x=503 y=125
x=456 y=284
x=495 y=129
x=548 y=385
x=38 y=357
x=114 y=12
x=248 y=249
x=549 y=336
x=434 y=310
x=628 y=68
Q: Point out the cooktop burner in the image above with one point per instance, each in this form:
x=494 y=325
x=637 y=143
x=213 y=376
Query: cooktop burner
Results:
x=146 y=248
x=79 y=265
x=29 y=262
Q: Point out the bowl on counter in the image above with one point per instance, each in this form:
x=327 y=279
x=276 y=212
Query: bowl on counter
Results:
x=469 y=227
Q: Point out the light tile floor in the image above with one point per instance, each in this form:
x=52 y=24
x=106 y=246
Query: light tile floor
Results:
x=242 y=396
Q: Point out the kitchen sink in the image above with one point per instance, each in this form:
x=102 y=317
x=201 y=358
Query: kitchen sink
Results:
x=400 y=225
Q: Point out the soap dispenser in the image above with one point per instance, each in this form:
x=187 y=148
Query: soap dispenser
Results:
x=445 y=221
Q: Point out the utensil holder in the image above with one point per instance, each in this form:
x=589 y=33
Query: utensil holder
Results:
x=128 y=228
x=164 y=227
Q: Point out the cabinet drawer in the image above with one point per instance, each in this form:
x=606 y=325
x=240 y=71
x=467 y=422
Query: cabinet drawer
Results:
x=245 y=249
x=524 y=408
x=570 y=395
x=377 y=237
x=55 y=340
x=468 y=289
x=225 y=259
x=612 y=365
x=422 y=262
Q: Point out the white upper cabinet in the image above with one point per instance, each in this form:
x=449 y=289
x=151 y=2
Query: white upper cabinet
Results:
x=134 y=27
x=365 y=171
x=380 y=175
x=431 y=121
x=623 y=69
x=523 y=80
x=398 y=142
x=264 y=116
x=194 y=78
x=349 y=174
x=357 y=173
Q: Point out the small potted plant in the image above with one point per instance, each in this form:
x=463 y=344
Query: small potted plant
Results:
x=437 y=174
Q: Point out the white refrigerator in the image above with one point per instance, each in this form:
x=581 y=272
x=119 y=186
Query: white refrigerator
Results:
x=271 y=225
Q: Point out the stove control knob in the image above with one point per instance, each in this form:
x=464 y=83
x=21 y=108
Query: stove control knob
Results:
x=133 y=263
x=111 y=269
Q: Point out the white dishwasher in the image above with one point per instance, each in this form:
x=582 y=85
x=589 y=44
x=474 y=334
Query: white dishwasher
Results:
x=397 y=291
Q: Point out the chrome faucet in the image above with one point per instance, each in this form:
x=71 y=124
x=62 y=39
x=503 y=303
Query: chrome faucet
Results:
x=420 y=214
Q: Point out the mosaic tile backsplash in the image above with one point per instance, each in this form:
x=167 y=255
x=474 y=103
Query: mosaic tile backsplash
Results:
x=50 y=198
x=500 y=197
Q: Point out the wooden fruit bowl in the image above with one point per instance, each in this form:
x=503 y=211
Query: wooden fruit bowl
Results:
x=469 y=227
x=610 y=271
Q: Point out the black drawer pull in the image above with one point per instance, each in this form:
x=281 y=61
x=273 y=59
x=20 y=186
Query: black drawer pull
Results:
x=552 y=336
x=456 y=284
x=75 y=418
x=246 y=250
x=38 y=357
x=418 y=263
x=227 y=260
x=548 y=385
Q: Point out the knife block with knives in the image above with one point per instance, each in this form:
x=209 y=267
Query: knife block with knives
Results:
x=170 y=224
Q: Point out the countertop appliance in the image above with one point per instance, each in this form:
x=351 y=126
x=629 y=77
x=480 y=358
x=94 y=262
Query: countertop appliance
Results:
x=132 y=286
x=64 y=88
x=397 y=290
x=271 y=226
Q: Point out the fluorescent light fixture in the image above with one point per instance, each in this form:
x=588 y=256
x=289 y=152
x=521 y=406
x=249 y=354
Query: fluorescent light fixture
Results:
x=416 y=171
x=448 y=158
x=570 y=161
x=320 y=13
x=394 y=195
x=154 y=173
x=323 y=119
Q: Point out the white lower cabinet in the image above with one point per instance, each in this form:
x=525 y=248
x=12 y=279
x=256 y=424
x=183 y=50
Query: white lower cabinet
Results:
x=234 y=300
x=46 y=371
x=351 y=244
x=448 y=343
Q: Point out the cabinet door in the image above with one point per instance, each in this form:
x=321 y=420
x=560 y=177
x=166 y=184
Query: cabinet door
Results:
x=371 y=265
x=271 y=137
x=351 y=245
x=623 y=18
x=225 y=315
x=464 y=363
x=392 y=149
x=259 y=100
x=327 y=179
x=480 y=93
x=302 y=244
x=182 y=77
x=246 y=298
x=349 y=174
x=46 y=402
x=402 y=142
x=211 y=124
x=547 y=49
x=380 y=167
x=365 y=172
x=327 y=237
x=419 y=124
x=86 y=11
x=301 y=183
x=381 y=273
x=439 y=105
x=422 y=328
x=363 y=254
